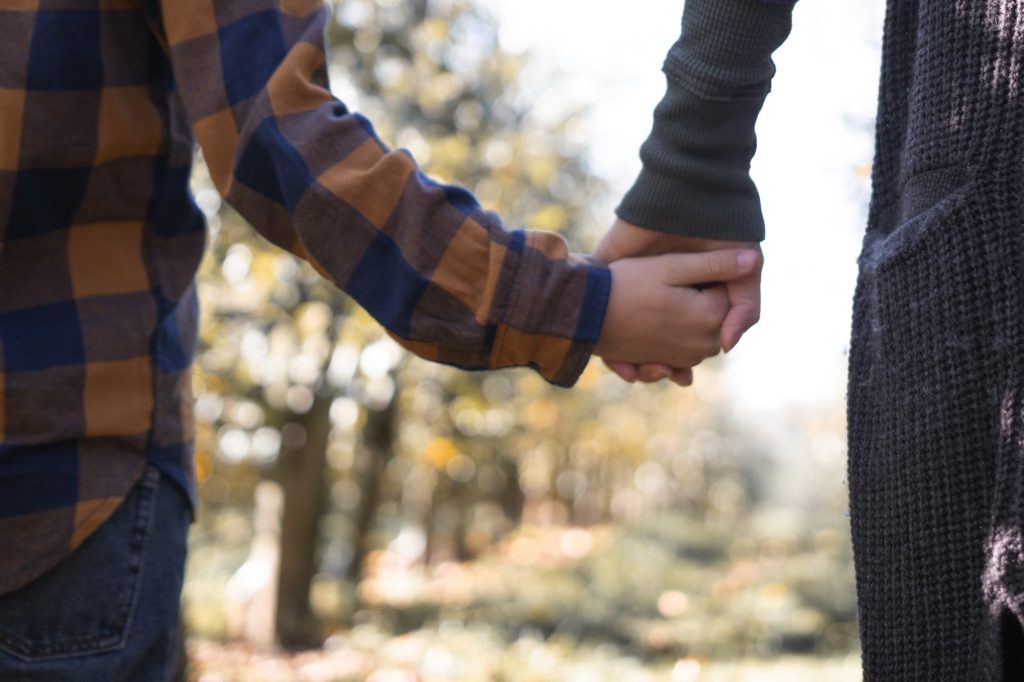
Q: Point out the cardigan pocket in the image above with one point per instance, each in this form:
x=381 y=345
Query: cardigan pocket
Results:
x=917 y=269
x=938 y=282
x=917 y=234
x=925 y=199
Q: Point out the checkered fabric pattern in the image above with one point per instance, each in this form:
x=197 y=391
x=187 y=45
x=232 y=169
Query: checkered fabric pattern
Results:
x=100 y=239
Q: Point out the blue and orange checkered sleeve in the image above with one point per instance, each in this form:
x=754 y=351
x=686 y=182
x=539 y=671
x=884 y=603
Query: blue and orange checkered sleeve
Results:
x=446 y=278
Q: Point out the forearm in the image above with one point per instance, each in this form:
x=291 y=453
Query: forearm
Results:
x=695 y=179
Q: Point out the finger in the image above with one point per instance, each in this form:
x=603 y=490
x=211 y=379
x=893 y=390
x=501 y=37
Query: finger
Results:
x=682 y=377
x=744 y=311
x=723 y=265
x=626 y=371
x=653 y=372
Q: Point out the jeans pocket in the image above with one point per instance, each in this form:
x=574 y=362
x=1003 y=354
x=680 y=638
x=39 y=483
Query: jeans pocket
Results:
x=85 y=605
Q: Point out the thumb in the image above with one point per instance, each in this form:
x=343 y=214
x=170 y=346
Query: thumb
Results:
x=741 y=317
x=722 y=265
x=744 y=309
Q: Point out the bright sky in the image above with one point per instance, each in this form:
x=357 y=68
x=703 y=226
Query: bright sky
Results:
x=814 y=135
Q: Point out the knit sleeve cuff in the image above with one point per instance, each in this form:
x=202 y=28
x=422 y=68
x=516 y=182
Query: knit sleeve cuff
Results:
x=695 y=179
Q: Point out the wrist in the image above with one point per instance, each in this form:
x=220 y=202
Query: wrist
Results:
x=560 y=303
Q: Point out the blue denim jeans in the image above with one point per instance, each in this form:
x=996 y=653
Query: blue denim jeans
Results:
x=109 y=612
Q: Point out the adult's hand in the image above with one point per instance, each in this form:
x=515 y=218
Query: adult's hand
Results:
x=625 y=240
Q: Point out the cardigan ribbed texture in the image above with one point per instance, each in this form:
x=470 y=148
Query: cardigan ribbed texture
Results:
x=936 y=391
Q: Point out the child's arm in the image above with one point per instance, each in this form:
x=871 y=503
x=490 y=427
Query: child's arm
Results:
x=446 y=278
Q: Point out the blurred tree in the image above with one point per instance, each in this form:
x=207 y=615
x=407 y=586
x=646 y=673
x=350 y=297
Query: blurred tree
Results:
x=301 y=471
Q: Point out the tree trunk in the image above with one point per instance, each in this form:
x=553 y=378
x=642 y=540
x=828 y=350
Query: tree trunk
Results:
x=512 y=498
x=462 y=510
x=378 y=437
x=301 y=471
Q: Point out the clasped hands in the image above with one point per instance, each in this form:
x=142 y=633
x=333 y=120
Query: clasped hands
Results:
x=674 y=301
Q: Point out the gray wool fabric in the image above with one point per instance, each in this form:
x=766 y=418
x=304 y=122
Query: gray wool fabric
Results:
x=936 y=379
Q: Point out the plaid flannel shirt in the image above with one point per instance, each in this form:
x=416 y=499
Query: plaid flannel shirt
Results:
x=100 y=239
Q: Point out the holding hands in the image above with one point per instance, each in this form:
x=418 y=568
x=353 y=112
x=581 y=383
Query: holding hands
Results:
x=674 y=301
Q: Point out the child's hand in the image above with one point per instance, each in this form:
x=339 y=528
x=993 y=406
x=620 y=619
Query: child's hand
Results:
x=657 y=313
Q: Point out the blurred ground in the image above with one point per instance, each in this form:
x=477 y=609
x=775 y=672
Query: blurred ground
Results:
x=665 y=599
x=368 y=656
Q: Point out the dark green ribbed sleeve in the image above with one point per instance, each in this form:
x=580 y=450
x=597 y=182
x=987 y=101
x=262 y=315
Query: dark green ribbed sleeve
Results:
x=695 y=179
